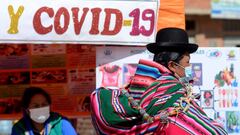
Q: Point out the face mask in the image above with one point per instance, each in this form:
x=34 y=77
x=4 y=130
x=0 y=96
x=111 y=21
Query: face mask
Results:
x=40 y=115
x=188 y=71
x=188 y=74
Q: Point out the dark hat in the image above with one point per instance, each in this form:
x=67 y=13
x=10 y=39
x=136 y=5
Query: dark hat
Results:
x=172 y=40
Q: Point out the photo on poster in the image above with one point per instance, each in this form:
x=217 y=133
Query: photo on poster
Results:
x=49 y=76
x=233 y=122
x=197 y=73
x=128 y=72
x=110 y=75
x=228 y=98
x=15 y=56
x=10 y=106
x=220 y=117
x=207 y=99
x=226 y=77
x=14 y=50
x=15 y=77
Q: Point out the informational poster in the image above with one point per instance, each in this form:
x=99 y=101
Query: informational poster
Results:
x=116 y=65
x=216 y=74
x=81 y=63
x=66 y=72
x=220 y=75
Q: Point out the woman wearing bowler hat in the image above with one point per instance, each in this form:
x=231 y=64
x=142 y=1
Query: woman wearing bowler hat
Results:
x=159 y=98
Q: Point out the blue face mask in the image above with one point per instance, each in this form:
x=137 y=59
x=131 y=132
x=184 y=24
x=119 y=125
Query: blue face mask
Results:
x=188 y=71
x=188 y=74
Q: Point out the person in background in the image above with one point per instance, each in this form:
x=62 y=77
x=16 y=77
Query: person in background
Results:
x=37 y=116
x=159 y=99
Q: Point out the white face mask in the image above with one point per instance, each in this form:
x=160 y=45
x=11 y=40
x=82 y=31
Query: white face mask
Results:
x=40 y=115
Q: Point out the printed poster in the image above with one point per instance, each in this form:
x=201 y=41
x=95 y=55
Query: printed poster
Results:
x=66 y=72
x=14 y=56
x=116 y=65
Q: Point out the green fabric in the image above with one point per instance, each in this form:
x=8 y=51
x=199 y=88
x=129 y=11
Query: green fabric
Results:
x=153 y=110
x=110 y=114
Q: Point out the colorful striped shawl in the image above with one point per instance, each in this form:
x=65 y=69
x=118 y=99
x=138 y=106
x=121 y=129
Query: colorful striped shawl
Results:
x=155 y=89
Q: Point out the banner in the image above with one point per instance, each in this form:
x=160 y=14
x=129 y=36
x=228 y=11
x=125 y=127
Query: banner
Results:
x=78 y=21
x=225 y=9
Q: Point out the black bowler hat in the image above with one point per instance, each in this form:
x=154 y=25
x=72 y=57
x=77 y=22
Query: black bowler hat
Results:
x=172 y=40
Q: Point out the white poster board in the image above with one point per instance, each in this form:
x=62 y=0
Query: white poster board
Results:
x=216 y=72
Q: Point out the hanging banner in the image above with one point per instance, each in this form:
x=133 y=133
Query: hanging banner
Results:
x=78 y=21
x=228 y=9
